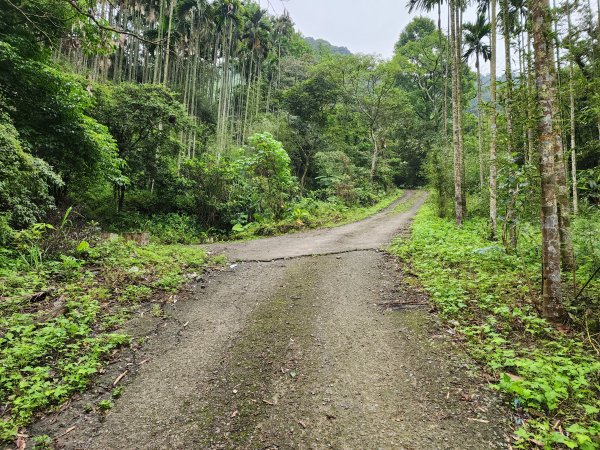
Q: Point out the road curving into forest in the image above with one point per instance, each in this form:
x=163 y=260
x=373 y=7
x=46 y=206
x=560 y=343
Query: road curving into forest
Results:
x=315 y=340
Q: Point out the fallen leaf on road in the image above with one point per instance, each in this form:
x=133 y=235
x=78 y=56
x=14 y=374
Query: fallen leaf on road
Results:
x=21 y=442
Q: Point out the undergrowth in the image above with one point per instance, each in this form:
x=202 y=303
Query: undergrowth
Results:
x=59 y=313
x=302 y=214
x=310 y=213
x=550 y=374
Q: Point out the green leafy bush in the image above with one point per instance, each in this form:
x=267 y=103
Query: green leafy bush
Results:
x=25 y=181
x=250 y=184
x=171 y=228
x=47 y=107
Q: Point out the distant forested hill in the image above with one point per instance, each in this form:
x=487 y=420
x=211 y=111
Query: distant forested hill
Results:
x=318 y=44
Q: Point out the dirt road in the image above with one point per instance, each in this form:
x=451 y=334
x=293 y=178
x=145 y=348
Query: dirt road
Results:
x=295 y=347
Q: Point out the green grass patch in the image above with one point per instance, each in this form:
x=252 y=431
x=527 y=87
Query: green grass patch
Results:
x=551 y=376
x=58 y=316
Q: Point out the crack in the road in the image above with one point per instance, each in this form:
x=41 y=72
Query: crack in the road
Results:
x=309 y=255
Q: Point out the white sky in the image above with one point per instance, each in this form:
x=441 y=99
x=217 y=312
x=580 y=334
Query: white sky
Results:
x=364 y=26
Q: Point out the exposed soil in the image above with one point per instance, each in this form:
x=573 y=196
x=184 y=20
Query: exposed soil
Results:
x=321 y=345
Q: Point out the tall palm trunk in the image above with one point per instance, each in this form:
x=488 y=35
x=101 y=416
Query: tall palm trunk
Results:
x=509 y=235
x=157 y=55
x=530 y=96
x=224 y=93
x=168 y=50
x=247 y=106
x=558 y=74
x=479 y=122
x=446 y=78
x=508 y=75
x=562 y=191
x=572 y=119
x=373 y=155
x=258 y=85
x=440 y=44
x=456 y=111
x=547 y=97
x=493 y=130
x=461 y=141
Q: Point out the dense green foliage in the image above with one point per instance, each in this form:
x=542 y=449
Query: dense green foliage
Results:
x=25 y=180
x=240 y=136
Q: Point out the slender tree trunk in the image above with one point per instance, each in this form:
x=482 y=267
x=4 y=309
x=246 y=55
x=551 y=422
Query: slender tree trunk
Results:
x=304 y=172
x=530 y=97
x=523 y=86
x=247 y=106
x=546 y=91
x=268 y=101
x=509 y=235
x=459 y=35
x=456 y=110
x=224 y=93
x=258 y=85
x=446 y=78
x=278 y=62
x=479 y=122
x=508 y=74
x=558 y=74
x=157 y=50
x=572 y=119
x=562 y=190
x=493 y=130
x=374 y=155
x=168 y=49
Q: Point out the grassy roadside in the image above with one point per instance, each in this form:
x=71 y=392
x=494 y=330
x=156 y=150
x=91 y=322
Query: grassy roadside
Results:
x=59 y=313
x=550 y=376
x=310 y=213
